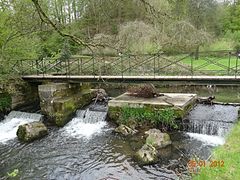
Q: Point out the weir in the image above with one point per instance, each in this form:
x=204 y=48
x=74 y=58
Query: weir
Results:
x=87 y=122
x=212 y=120
x=88 y=116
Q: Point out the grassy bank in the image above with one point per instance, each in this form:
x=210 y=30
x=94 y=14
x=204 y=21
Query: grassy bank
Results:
x=230 y=154
x=221 y=63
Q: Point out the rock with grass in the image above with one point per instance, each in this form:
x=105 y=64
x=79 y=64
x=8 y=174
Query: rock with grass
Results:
x=157 y=139
x=31 y=131
x=146 y=155
x=125 y=130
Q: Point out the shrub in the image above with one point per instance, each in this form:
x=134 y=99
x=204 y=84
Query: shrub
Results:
x=164 y=117
x=5 y=101
x=235 y=37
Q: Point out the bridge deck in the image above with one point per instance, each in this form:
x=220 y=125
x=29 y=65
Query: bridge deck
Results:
x=235 y=80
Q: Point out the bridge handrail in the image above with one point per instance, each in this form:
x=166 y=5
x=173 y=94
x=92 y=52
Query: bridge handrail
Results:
x=131 y=64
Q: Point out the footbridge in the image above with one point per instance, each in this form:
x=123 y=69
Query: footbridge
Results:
x=218 y=67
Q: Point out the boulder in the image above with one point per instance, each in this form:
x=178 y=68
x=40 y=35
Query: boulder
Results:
x=100 y=95
x=158 y=139
x=125 y=130
x=147 y=155
x=31 y=131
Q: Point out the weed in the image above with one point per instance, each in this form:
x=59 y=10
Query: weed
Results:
x=165 y=117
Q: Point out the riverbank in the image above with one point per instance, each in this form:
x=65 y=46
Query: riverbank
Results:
x=16 y=94
x=229 y=153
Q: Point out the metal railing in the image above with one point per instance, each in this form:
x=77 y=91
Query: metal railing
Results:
x=212 y=63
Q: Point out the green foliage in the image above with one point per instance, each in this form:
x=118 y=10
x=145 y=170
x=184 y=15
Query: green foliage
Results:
x=65 y=52
x=51 y=44
x=235 y=37
x=167 y=116
x=202 y=60
x=201 y=12
x=231 y=20
x=126 y=26
x=163 y=116
x=5 y=101
x=13 y=174
x=229 y=153
x=219 y=44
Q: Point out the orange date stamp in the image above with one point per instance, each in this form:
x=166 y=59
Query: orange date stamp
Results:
x=195 y=166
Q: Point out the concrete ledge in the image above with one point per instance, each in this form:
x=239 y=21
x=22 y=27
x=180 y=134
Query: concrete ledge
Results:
x=168 y=100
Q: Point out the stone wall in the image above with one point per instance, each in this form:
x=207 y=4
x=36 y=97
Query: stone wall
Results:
x=59 y=101
x=15 y=94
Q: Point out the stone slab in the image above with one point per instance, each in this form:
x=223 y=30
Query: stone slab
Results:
x=168 y=100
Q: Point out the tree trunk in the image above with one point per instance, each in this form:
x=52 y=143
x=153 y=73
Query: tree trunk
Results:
x=69 y=11
x=74 y=9
x=197 y=53
x=57 y=12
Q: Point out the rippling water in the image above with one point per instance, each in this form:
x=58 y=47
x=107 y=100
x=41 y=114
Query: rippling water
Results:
x=73 y=152
x=63 y=156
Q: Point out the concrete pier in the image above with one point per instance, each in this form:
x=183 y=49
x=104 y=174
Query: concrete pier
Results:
x=177 y=100
x=59 y=101
x=125 y=108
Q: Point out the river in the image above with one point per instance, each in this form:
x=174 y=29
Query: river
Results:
x=90 y=150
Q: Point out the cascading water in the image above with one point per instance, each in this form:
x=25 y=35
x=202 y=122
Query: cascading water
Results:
x=210 y=124
x=212 y=120
x=9 y=126
x=87 y=122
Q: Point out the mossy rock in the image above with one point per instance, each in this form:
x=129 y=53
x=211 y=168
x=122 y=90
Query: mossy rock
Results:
x=31 y=131
x=114 y=114
x=125 y=130
x=146 y=155
x=158 y=139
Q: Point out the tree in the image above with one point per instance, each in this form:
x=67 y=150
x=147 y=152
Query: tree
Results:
x=232 y=20
x=15 y=26
x=201 y=15
x=138 y=37
x=183 y=36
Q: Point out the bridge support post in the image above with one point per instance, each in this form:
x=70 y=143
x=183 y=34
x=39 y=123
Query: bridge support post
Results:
x=59 y=101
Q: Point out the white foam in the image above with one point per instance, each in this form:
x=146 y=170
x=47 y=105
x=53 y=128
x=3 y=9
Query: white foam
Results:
x=77 y=128
x=208 y=139
x=9 y=127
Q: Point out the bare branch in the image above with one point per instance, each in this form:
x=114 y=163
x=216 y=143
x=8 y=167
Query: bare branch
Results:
x=157 y=14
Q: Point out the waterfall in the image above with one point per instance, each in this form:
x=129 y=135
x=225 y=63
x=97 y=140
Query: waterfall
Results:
x=207 y=139
x=87 y=122
x=9 y=126
x=212 y=120
x=23 y=115
x=211 y=127
x=91 y=117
